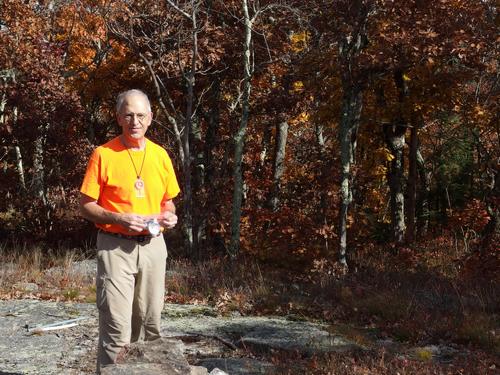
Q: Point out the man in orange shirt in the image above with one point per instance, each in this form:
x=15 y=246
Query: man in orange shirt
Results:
x=127 y=192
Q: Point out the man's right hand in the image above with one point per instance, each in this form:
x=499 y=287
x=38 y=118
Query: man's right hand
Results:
x=131 y=222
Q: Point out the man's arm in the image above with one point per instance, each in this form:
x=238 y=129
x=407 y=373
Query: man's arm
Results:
x=90 y=210
x=168 y=206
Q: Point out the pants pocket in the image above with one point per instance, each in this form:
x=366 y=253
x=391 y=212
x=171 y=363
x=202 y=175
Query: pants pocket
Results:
x=101 y=299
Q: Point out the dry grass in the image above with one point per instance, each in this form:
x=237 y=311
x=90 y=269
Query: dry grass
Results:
x=231 y=286
x=381 y=363
x=37 y=273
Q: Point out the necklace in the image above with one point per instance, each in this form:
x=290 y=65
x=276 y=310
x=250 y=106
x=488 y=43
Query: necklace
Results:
x=139 y=182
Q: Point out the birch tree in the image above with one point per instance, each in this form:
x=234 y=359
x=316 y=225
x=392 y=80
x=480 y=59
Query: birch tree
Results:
x=350 y=47
x=239 y=138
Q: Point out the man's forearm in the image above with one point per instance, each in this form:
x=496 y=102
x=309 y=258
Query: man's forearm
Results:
x=168 y=206
x=98 y=215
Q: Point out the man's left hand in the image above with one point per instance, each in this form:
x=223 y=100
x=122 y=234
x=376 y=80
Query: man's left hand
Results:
x=167 y=219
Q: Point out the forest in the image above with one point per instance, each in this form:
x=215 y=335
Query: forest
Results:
x=351 y=146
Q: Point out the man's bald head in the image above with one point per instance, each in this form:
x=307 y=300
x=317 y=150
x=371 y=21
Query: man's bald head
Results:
x=122 y=97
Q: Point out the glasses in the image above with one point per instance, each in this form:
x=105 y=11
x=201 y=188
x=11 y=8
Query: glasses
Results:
x=129 y=117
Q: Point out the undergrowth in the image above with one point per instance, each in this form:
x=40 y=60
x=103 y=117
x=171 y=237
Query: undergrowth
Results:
x=411 y=296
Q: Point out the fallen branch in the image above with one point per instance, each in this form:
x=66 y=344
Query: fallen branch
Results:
x=218 y=338
x=53 y=326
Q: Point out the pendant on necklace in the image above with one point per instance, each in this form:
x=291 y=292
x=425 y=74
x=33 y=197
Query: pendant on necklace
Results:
x=139 y=188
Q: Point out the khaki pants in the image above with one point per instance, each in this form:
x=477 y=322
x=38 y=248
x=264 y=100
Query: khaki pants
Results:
x=130 y=292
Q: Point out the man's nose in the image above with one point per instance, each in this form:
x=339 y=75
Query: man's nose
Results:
x=136 y=120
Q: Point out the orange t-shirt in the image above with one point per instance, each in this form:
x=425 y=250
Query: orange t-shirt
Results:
x=111 y=176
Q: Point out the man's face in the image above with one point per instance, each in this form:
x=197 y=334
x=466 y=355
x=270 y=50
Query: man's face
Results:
x=134 y=117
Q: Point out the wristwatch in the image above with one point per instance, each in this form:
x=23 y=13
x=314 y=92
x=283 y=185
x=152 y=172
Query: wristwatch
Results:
x=154 y=227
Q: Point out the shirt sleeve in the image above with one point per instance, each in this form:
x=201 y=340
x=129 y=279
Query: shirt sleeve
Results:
x=92 y=181
x=172 y=186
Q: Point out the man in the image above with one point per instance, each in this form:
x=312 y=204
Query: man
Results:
x=129 y=184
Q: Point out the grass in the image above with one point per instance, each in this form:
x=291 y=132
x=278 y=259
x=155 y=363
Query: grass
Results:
x=53 y=274
x=381 y=363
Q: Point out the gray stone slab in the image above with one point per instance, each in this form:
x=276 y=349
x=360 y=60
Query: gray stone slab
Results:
x=48 y=353
x=262 y=333
x=204 y=335
x=161 y=356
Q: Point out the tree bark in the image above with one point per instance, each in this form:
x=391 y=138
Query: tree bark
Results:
x=279 y=163
x=239 y=138
x=191 y=243
x=412 y=185
x=353 y=82
x=38 y=168
x=10 y=75
x=198 y=185
x=352 y=105
x=20 y=168
x=212 y=133
x=395 y=139
x=320 y=139
x=423 y=193
x=3 y=103
x=266 y=142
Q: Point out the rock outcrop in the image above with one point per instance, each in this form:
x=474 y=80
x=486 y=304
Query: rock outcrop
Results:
x=159 y=357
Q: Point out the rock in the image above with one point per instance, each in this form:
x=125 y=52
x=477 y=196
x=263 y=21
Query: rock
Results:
x=207 y=341
x=161 y=356
x=303 y=337
x=260 y=333
x=26 y=287
x=216 y=371
x=179 y=311
x=242 y=366
x=86 y=269
x=198 y=370
x=143 y=369
x=72 y=349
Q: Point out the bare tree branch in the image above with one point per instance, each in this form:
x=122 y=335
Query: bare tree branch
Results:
x=176 y=7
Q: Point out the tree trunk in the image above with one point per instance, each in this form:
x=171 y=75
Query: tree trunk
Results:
x=412 y=185
x=239 y=138
x=198 y=185
x=20 y=168
x=352 y=105
x=422 y=197
x=320 y=139
x=191 y=242
x=3 y=103
x=279 y=163
x=208 y=209
x=212 y=133
x=266 y=142
x=395 y=139
x=17 y=149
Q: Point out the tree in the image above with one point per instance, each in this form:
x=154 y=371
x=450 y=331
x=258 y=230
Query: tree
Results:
x=39 y=113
